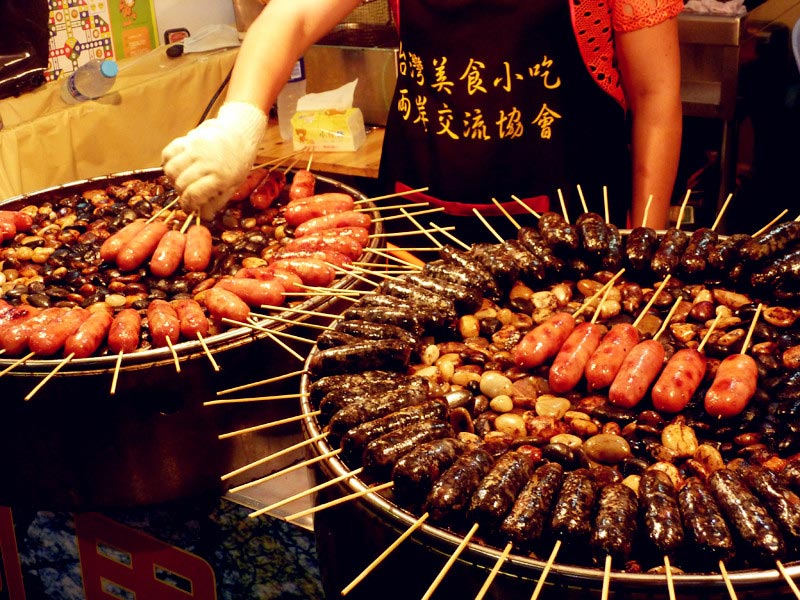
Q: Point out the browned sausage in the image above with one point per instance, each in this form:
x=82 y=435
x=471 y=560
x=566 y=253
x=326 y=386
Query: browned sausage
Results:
x=14 y=338
x=348 y=218
x=255 y=292
x=192 y=318
x=49 y=338
x=123 y=336
x=300 y=211
x=111 y=246
x=733 y=386
x=163 y=323
x=303 y=183
x=168 y=254
x=197 y=253
x=544 y=340
x=223 y=304
x=254 y=177
x=140 y=247
x=639 y=369
x=90 y=334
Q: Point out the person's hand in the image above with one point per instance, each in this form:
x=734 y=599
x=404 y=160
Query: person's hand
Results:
x=209 y=162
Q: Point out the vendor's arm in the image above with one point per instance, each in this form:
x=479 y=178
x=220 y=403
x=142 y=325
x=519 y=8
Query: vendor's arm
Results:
x=209 y=163
x=649 y=60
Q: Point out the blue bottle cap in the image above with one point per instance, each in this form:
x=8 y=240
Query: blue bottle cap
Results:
x=109 y=68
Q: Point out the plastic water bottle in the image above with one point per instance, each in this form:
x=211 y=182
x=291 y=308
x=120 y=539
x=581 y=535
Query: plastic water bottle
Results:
x=287 y=98
x=89 y=81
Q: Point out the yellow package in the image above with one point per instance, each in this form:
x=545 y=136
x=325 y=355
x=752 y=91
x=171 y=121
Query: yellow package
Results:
x=328 y=130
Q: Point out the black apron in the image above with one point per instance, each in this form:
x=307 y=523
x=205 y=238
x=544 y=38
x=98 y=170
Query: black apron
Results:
x=493 y=100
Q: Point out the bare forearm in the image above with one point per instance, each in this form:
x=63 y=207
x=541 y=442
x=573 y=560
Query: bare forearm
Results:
x=274 y=42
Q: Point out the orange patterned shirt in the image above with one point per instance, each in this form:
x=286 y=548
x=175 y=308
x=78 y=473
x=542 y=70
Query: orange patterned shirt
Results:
x=595 y=22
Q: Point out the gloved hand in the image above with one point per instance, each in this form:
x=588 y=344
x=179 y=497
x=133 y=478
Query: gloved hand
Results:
x=209 y=162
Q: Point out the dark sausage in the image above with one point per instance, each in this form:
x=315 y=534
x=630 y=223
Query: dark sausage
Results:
x=451 y=493
x=661 y=514
x=748 y=516
x=703 y=522
x=525 y=523
x=571 y=520
x=668 y=254
x=497 y=491
x=391 y=354
x=381 y=454
x=414 y=473
x=615 y=523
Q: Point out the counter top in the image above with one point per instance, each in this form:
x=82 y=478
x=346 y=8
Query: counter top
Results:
x=364 y=162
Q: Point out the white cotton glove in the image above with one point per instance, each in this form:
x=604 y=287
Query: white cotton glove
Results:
x=209 y=162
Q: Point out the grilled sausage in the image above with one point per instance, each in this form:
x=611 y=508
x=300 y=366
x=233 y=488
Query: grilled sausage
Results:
x=368 y=330
x=382 y=454
x=734 y=384
x=525 y=523
x=140 y=247
x=679 y=380
x=112 y=244
x=533 y=242
x=614 y=523
x=561 y=236
x=391 y=354
x=593 y=234
x=300 y=211
x=414 y=472
x=356 y=391
x=168 y=254
x=328 y=240
x=694 y=260
x=668 y=254
x=544 y=340
x=355 y=439
x=49 y=338
x=11 y=314
x=313 y=272
x=14 y=338
x=197 y=251
x=163 y=323
x=303 y=184
x=374 y=406
x=479 y=273
x=703 y=522
x=90 y=334
x=268 y=189
x=445 y=271
x=748 y=516
x=640 y=247
x=532 y=269
x=497 y=491
x=638 y=370
x=606 y=360
x=466 y=300
x=254 y=177
x=570 y=362
x=388 y=315
x=782 y=503
x=498 y=260
x=773 y=241
x=451 y=493
x=420 y=296
x=661 y=514
x=192 y=318
x=571 y=519
x=615 y=257
x=123 y=335
x=348 y=218
x=255 y=292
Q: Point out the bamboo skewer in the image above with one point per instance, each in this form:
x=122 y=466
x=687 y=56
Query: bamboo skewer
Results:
x=583 y=200
x=563 y=205
x=450 y=562
x=525 y=206
x=488 y=226
x=50 y=375
x=506 y=214
x=605 y=204
x=278 y=454
x=722 y=211
x=174 y=355
x=683 y=208
x=727 y=580
x=211 y=359
x=421 y=229
x=286 y=471
x=292 y=396
x=115 y=377
x=394 y=195
x=451 y=236
x=17 y=363
x=307 y=492
x=788 y=579
x=370 y=490
x=407 y=205
x=540 y=584
x=224 y=436
x=670 y=583
x=771 y=223
x=495 y=570
x=261 y=382
x=416 y=214
x=371 y=567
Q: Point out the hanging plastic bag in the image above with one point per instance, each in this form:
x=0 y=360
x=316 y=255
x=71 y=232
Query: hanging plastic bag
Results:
x=24 y=39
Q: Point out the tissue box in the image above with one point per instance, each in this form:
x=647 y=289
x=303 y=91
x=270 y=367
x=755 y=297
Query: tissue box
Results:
x=328 y=130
